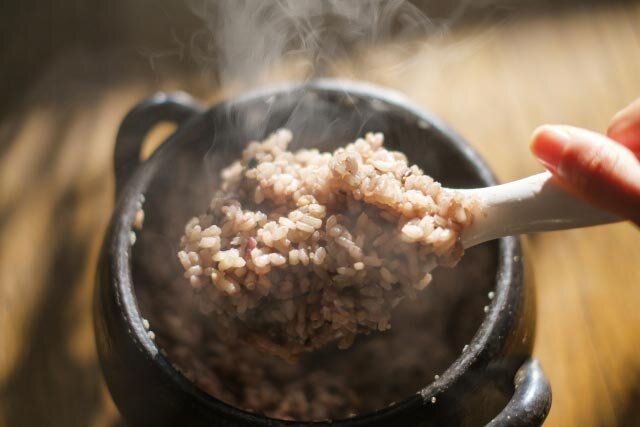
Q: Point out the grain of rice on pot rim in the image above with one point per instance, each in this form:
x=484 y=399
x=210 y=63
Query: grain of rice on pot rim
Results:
x=298 y=249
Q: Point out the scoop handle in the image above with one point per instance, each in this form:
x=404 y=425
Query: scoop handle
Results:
x=533 y=204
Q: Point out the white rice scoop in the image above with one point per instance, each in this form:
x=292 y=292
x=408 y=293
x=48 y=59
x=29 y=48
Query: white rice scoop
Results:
x=529 y=205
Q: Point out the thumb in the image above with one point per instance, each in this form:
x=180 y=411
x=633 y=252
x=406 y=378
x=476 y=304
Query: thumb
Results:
x=592 y=167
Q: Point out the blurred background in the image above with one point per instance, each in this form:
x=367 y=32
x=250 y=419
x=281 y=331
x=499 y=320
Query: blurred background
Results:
x=493 y=70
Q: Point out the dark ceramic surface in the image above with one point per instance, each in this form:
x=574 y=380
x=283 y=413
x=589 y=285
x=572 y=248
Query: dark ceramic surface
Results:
x=494 y=380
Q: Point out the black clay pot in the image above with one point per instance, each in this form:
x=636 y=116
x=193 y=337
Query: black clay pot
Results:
x=493 y=382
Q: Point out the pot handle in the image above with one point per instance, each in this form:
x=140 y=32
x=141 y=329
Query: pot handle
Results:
x=531 y=400
x=173 y=107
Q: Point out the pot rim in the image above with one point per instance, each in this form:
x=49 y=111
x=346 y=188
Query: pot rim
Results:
x=489 y=329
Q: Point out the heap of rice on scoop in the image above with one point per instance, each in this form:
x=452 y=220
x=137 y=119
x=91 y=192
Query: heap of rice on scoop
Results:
x=301 y=249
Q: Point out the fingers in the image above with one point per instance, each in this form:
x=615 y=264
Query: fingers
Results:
x=592 y=167
x=625 y=127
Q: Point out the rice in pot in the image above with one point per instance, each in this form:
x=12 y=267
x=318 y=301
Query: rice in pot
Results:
x=301 y=249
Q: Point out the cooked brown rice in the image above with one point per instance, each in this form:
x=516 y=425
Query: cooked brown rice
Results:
x=301 y=249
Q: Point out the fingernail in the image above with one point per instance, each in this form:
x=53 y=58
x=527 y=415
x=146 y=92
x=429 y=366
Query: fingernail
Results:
x=548 y=145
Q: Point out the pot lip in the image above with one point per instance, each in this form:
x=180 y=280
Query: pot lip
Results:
x=122 y=221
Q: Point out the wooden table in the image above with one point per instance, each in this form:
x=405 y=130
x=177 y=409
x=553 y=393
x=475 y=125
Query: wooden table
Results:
x=493 y=84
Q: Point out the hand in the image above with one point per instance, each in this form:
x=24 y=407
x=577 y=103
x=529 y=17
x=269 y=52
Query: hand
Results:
x=603 y=170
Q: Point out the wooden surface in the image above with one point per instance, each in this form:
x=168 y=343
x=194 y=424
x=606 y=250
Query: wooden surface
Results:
x=493 y=84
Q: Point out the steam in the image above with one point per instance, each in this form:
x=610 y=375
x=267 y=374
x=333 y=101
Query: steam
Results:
x=241 y=40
